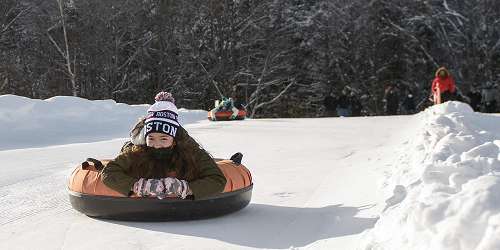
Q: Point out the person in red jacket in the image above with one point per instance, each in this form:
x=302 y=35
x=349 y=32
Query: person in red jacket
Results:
x=443 y=86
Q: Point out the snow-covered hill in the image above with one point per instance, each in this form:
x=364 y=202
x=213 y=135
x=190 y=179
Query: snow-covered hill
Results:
x=446 y=187
x=59 y=120
x=324 y=183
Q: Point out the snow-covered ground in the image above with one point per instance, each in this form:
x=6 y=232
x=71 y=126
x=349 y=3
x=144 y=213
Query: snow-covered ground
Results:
x=446 y=185
x=427 y=181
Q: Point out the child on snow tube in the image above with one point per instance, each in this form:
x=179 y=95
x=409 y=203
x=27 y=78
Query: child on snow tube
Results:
x=226 y=105
x=170 y=164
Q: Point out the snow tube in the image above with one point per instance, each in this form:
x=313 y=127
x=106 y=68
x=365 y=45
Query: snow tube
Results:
x=226 y=115
x=90 y=196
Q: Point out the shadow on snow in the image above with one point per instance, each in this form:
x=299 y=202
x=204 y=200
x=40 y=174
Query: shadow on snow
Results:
x=269 y=226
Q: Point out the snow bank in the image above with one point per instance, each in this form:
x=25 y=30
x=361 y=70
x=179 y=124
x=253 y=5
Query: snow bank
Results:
x=26 y=122
x=445 y=193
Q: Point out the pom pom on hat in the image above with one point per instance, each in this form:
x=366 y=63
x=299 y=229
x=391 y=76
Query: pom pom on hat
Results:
x=164 y=96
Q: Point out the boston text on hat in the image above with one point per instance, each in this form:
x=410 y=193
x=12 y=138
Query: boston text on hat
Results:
x=163 y=114
x=161 y=127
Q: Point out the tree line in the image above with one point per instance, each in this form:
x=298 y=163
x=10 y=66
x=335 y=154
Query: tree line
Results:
x=280 y=57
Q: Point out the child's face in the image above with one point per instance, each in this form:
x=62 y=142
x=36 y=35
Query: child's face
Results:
x=159 y=140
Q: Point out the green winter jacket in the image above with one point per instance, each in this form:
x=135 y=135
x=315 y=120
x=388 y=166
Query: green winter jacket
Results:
x=121 y=173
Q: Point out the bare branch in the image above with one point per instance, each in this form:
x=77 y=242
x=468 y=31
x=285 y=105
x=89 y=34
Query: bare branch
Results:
x=56 y=45
x=138 y=49
x=211 y=78
x=272 y=100
x=14 y=19
x=415 y=40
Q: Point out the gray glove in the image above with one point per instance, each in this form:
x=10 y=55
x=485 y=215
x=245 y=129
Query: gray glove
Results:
x=174 y=186
x=149 y=187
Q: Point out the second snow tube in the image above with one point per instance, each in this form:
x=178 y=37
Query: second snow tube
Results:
x=89 y=195
x=226 y=115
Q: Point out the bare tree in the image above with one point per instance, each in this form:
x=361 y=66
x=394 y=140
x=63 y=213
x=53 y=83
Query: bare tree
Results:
x=272 y=54
x=263 y=93
x=68 y=66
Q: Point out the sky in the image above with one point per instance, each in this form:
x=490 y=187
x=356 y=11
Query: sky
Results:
x=424 y=181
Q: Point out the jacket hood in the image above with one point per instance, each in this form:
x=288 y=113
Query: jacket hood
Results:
x=137 y=134
x=441 y=69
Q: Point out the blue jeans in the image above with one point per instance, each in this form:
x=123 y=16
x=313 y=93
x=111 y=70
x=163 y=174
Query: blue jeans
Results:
x=343 y=112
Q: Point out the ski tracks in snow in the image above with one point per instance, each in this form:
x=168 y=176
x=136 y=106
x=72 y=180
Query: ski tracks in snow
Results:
x=40 y=196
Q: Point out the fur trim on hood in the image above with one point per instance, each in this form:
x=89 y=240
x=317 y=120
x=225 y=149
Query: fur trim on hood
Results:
x=137 y=134
x=442 y=69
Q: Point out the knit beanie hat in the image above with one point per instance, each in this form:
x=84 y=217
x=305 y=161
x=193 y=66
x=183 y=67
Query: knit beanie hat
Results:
x=162 y=116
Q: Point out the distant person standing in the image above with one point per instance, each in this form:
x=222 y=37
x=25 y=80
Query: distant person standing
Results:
x=343 y=104
x=488 y=97
x=409 y=103
x=475 y=98
x=443 y=86
x=356 y=105
x=391 y=99
x=330 y=104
